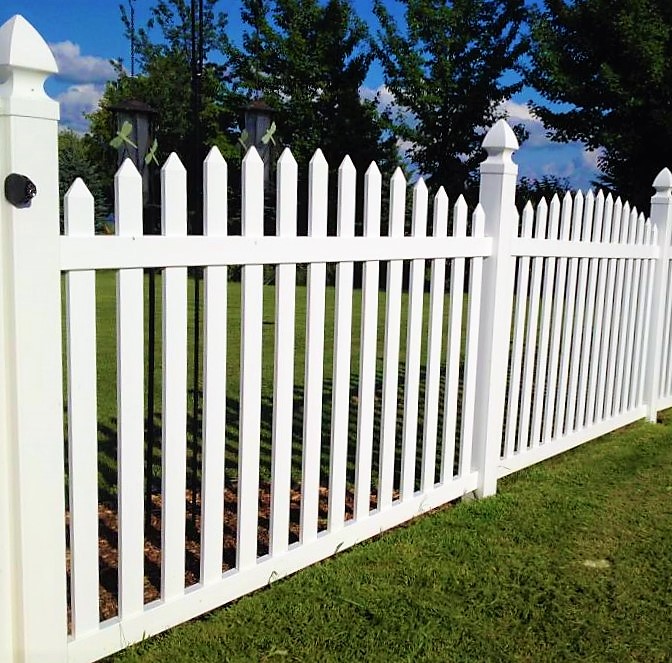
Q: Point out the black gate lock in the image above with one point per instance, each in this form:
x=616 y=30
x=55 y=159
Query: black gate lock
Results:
x=19 y=190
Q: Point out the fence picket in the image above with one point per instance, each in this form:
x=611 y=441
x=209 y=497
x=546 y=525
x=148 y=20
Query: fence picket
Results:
x=388 y=425
x=533 y=340
x=580 y=330
x=595 y=375
x=130 y=384
x=368 y=348
x=603 y=387
x=521 y=309
x=471 y=352
x=643 y=318
x=80 y=288
x=313 y=386
x=434 y=343
x=617 y=315
x=538 y=412
x=174 y=442
x=252 y=222
x=340 y=410
x=569 y=295
x=413 y=347
x=593 y=232
x=551 y=414
x=215 y=182
x=454 y=345
x=283 y=381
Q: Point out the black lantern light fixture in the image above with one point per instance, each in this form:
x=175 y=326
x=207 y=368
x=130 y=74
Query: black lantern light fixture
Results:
x=259 y=130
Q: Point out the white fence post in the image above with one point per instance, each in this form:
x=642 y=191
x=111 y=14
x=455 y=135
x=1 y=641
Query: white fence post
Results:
x=661 y=219
x=497 y=197
x=33 y=623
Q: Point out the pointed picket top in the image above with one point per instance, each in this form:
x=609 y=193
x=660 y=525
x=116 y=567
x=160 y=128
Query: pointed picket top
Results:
x=541 y=219
x=173 y=164
x=460 y=213
x=78 y=210
x=214 y=157
x=127 y=171
x=440 y=225
x=648 y=233
x=478 y=221
x=663 y=184
x=577 y=216
x=319 y=161
x=215 y=201
x=347 y=191
x=639 y=237
x=555 y=216
x=346 y=164
x=397 y=203
x=623 y=226
x=173 y=197
x=22 y=46
x=588 y=213
x=373 y=182
x=420 y=202
x=528 y=219
x=287 y=159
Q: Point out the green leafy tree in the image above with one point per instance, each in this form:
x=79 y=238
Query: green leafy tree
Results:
x=532 y=189
x=75 y=160
x=309 y=60
x=611 y=62
x=445 y=68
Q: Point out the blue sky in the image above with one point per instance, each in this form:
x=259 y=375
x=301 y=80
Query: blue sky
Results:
x=86 y=34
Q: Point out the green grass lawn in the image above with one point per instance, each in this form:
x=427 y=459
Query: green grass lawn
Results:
x=571 y=561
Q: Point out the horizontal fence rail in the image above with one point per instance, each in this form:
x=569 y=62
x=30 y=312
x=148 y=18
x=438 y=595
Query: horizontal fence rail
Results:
x=403 y=351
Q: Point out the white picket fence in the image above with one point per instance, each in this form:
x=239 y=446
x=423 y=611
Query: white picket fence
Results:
x=584 y=285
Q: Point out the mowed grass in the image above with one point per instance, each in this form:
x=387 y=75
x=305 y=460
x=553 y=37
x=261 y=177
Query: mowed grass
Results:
x=570 y=561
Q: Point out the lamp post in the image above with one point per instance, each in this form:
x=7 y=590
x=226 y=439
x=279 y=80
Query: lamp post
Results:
x=135 y=127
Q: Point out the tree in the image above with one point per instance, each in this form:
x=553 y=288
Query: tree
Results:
x=74 y=160
x=309 y=61
x=611 y=61
x=444 y=69
x=164 y=82
x=534 y=190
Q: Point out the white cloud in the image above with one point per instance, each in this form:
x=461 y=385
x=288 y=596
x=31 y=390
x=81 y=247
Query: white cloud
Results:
x=77 y=68
x=77 y=100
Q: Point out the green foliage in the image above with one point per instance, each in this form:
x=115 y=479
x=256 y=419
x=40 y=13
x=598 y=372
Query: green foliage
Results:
x=534 y=190
x=611 y=62
x=445 y=68
x=309 y=60
x=75 y=160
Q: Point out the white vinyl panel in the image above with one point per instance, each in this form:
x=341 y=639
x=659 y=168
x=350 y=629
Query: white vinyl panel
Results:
x=434 y=344
x=533 y=339
x=633 y=318
x=600 y=404
x=413 y=347
x=559 y=306
x=215 y=182
x=545 y=327
x=80 y=288
x=617 y=318
x=391 y=346
x=174 y=441
x=651 y=238
x=313 y=386
x=593 y=233
x=594 y=373
x=570 y=296
x=368 y=348
x=665 y=371
x=580 y=332
x=130 y=399
x=469 y=405
x=454 y=344
x=521 y=304
x=252 y=222
x=340 y=409
x=283 y=390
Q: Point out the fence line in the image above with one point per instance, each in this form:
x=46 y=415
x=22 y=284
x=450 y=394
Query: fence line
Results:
x=561 y=335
